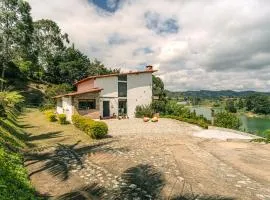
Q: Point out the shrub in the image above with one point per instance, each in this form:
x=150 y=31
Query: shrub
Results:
x=94 y=129
x=200 y=122
x=144 y=111
x=51 y=116
x=227 y=120
x=14 y=183
x=158 y=106
x=62 y=118
x=265 y=135
x=47 y=107
x=98 y=130
x=10 y=102
x=172 y=108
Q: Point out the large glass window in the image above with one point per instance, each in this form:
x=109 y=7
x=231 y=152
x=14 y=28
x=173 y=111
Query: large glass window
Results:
x=122 y=86
x=122 y=89
x=87 y=104
x=122 y=78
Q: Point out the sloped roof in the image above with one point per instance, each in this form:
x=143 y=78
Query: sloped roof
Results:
x=115 y=74
x=81 y=92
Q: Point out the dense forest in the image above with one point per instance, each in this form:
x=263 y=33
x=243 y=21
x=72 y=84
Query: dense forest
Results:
x=232 y=101
x=37 y=61
x=208 y=94
x=39 y=51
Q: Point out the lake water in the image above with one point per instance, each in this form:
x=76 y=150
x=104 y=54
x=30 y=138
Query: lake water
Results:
x=250 y=124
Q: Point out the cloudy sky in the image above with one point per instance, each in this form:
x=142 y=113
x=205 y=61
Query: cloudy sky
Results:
x=195 y=44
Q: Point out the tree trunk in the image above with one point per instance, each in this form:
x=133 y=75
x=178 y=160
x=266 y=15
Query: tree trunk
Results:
x=2 y=77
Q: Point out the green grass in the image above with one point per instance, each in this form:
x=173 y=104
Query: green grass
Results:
x=14 y=182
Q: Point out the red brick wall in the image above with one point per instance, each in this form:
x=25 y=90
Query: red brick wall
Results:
x=86 y=85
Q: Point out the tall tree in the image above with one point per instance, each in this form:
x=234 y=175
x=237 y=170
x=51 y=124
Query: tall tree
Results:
x=48 y=42
x=97 y=68
x=68 y=66
x=15 y=32
x=230 y=107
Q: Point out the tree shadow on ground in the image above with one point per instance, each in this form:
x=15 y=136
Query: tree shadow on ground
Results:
x=200 y=197
x=93 y=191
x=44 y=136
x=144 y=181
x=62 y=160
x=14 y=120
x=141 y=182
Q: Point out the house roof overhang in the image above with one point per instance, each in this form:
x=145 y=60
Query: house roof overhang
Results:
x=93 y=90
x=115 y=74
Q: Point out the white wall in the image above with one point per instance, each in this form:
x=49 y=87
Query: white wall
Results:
x=109 y=84
x=109 y=93
x=67 y=107
x=139 y=91
x=113 y=105
x=59 y=107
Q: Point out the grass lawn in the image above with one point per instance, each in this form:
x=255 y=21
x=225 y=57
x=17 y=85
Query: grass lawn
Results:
x=44 y=134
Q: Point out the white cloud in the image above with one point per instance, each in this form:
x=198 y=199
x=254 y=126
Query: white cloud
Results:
x=219 y=44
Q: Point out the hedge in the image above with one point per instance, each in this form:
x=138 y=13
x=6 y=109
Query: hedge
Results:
x=62 y=119
x=51 y=116
x=95 y=129
x=198 y=122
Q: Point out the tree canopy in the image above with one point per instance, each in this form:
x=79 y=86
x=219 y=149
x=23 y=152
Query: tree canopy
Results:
x=39 y=50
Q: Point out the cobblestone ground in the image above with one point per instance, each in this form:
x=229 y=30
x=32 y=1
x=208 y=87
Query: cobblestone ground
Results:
x=143 y=161
x=185 y=167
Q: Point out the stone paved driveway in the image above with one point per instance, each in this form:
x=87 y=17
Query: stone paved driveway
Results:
x=168 y=147
x=146 y=161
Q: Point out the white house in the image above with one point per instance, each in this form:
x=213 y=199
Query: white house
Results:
x=106 y=96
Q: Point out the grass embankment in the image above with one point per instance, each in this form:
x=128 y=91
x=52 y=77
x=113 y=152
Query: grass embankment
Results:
x=14 y=182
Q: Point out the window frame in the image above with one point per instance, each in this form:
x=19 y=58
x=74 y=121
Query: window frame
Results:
x=122 y=80
x=87 y=107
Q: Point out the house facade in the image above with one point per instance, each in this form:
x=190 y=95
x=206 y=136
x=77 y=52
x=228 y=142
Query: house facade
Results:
x=107 y=96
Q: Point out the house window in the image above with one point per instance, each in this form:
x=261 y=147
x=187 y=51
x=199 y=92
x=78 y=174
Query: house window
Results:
x=87 y=104
x=122 y=78
x=122 y=86
x=122 y=89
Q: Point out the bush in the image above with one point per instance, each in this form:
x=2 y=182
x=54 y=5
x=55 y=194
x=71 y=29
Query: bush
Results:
x=200 y=122
x=47 y=107
x=94 y=129
x=10 y=102
x=62 y=118
x=172 y=108
x=144 y=111
x=51 y=116
x=14 y=183
x=158 y=106
x=265 y=135
x=98 y=130
x=227 y=120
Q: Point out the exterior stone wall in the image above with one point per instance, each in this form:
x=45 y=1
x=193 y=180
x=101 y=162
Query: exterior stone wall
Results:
x=92 y=113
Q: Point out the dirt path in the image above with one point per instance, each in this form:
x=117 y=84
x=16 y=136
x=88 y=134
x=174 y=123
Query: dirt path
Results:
x=145 y=161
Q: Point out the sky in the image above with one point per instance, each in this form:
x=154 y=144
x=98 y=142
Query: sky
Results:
x=195 y=44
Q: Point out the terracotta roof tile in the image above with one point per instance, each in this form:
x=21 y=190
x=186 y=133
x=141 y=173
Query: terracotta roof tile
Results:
x=116 y=74
x=81 y=92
